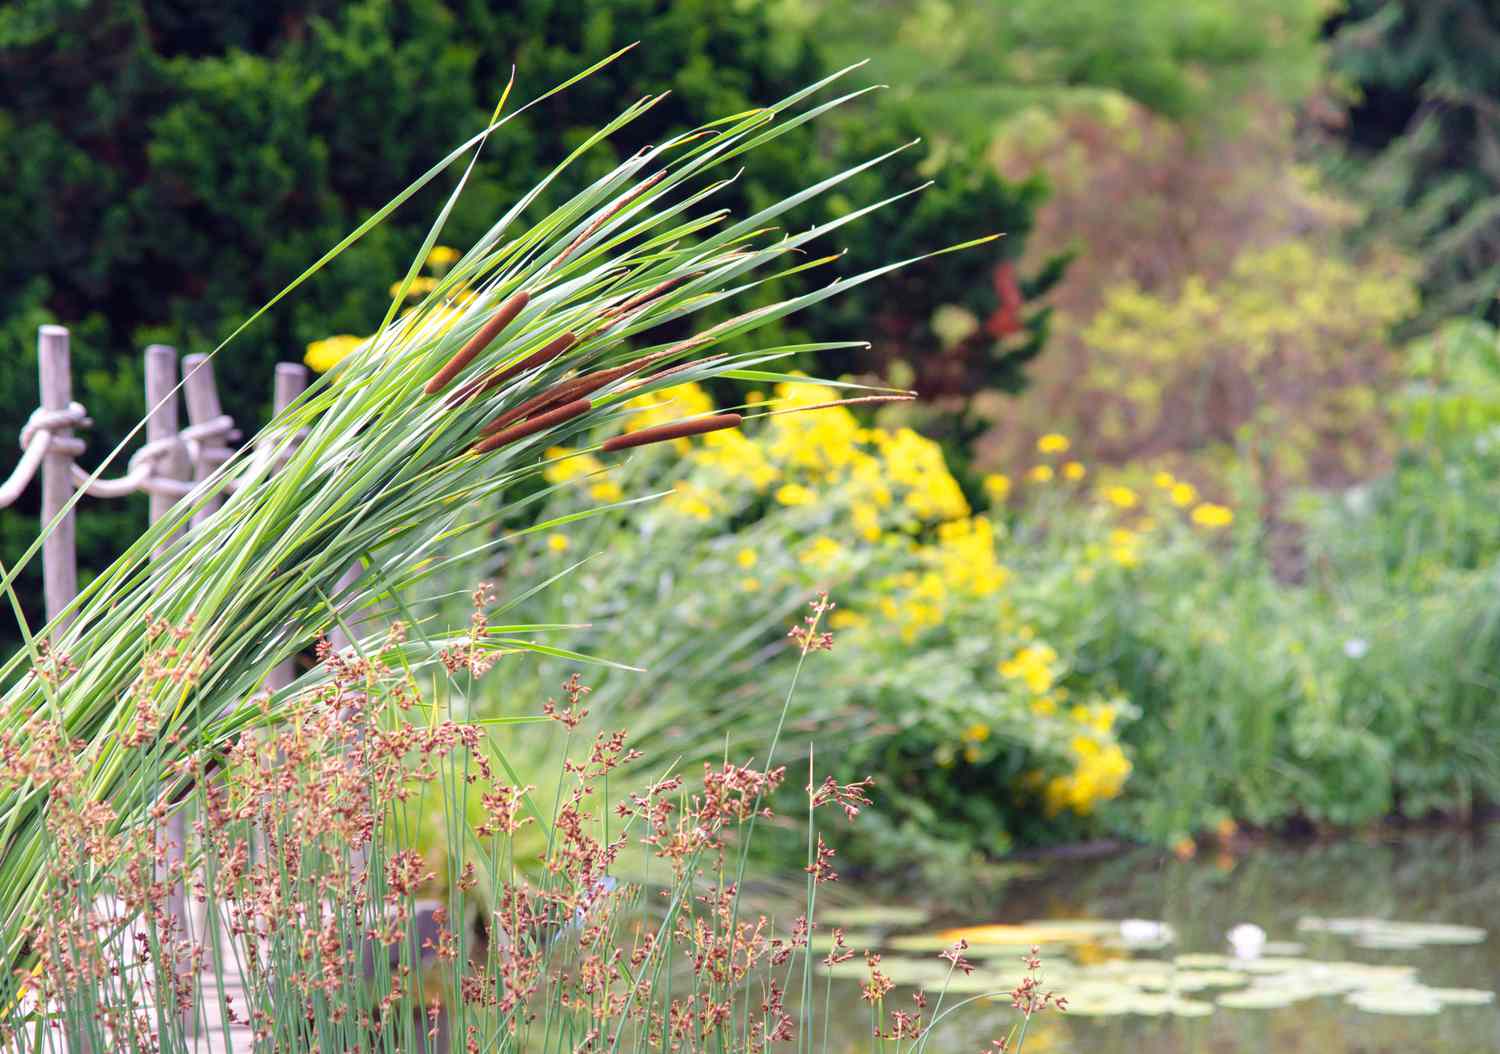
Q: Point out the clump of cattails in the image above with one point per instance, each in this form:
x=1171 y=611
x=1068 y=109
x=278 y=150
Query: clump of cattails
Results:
x=503 y=316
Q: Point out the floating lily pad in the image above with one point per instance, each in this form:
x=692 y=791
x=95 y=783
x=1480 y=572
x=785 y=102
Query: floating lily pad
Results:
x=1379 y=941
x=1271 y=964
x=1041 y=932
x=1202 y=961
x=874 y=915
x=1283 y=948
x=1391 y=930
x=1199 y=980
x=1404 y=1001
x=1257 y=998
x=1191 y=1008
x=1462 y=996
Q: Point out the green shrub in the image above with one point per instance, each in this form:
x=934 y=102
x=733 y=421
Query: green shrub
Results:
x=939 y=684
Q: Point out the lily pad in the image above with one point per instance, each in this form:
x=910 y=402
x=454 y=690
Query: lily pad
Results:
x=1258 y=998
x=1202 y=961
x=1198 y=980
x=1271 y=964
x=1191 y=1008
x=1414 y=1002
x=1040 y=931
x=1283 y=948
x=874 y=915
x=1379 y=941
x=1462 y=996
x=1391 y=930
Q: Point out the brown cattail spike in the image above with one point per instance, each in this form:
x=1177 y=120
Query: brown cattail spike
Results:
x=675 y=430
x=574 y=388
x=651 y=294
x=566 y=412
x=479 y=341
x=553 y=348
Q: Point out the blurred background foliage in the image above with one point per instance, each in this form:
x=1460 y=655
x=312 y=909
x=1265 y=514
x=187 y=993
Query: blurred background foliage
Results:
x=1193 y=520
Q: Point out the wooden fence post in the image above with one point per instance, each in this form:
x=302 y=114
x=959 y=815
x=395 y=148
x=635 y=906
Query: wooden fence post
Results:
x=202 y=406
x=161 y=423
x=59 y=552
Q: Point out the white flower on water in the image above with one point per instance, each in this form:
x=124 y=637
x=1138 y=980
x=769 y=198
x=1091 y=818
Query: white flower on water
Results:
x=1247 y=940
x=1145 y=932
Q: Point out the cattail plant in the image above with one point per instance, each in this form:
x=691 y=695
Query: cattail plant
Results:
x=368 y=484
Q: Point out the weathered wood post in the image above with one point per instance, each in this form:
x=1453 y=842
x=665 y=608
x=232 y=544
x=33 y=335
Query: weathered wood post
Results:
x=161 y=423
x=202 y=406
x=59 y=549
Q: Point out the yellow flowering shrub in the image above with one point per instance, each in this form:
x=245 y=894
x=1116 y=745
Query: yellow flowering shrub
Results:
x=931 y=644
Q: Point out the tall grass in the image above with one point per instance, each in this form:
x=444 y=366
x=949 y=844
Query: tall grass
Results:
x=372 y=470
x=322 y=928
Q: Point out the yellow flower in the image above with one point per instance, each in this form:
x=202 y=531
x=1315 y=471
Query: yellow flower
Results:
x=750 y=585
x=1074 y=471
x=977 y=732
x=1164 y=480
x=1053 y=443
x=972 y=755
x=821 y=552
x=866 y=520
x=746 y=558
x=324 y=355
x=843 y=618
x=997 y=486
x=442 y=256
x=1212 y=516
x=421 y=285
x=1040 y=473
x=691 y=500
x=557 y=542
x=1120 y=497
x=606 y=490
x=795 y=494
x=1184 y=494
x=1033 y=664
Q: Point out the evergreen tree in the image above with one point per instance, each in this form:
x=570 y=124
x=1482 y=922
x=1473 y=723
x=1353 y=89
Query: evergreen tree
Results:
x=1425 y=131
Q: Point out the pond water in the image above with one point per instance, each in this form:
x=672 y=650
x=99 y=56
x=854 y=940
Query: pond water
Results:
x=1383 y=944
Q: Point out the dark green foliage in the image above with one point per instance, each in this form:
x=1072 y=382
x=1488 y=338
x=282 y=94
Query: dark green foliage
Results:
x=172 y=165
x=1425 y=131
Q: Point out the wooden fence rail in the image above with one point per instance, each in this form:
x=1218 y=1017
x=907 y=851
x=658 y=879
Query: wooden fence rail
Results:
x=169 y=466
